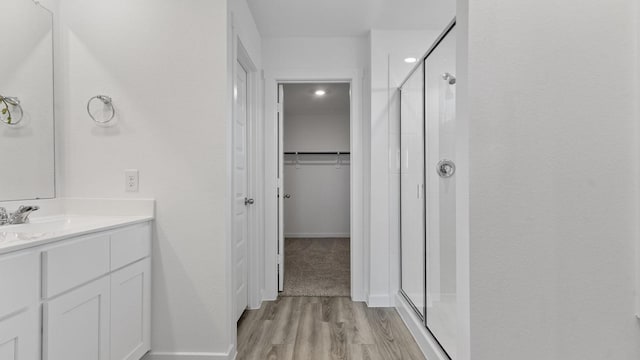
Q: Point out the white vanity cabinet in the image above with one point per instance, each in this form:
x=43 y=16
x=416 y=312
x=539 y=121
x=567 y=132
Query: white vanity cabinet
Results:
x=130 y=293
x=19 y=336
x=76 y=324
x=19 y=306
x=130 y=311
x=82 y=298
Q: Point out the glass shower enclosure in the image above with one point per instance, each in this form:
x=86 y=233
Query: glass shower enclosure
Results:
x=428 y=191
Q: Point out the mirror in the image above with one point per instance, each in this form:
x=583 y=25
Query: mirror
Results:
x=27 y=160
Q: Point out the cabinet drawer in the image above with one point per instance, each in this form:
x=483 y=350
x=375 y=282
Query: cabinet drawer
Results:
x=18 y=281
x=130 y=245
x=74 y=263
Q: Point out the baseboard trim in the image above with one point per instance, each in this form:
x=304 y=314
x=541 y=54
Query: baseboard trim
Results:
x=229 y=355
x=380 y=301
x=317 y=235
x=426 y=342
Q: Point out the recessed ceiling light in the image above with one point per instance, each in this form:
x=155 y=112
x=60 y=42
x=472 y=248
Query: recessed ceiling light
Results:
x=320 y=92
x=410 y=60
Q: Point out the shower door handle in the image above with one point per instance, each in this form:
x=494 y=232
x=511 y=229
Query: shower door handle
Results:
x=248 y=201
x=446 y=168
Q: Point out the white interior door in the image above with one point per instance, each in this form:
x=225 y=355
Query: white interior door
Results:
x=280 y=187
x=240 y=190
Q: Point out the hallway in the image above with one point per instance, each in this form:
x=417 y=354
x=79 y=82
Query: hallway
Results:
x=323 y=328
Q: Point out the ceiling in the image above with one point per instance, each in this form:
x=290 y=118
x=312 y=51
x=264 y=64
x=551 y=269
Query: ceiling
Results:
x=287 y=18
x=300 y=99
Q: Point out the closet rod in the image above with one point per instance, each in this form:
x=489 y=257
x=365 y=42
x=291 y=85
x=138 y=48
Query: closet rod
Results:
x=318 y=153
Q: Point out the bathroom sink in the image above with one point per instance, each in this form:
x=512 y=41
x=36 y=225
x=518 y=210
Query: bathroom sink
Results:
x=42 y=228
x=87 y=218
x=48 y=225
x=37 y=229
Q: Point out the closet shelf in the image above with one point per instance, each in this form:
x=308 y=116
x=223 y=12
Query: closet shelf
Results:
x=317 y=153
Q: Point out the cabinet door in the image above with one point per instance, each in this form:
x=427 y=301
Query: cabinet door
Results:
x=130 y=311
x=19 y=336
x=76 y=325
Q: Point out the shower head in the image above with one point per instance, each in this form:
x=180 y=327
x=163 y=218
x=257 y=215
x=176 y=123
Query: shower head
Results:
x=450 y=78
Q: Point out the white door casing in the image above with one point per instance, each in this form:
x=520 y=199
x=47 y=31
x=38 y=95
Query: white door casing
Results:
x=280 y=187
x=240 y=193
x=272 y=153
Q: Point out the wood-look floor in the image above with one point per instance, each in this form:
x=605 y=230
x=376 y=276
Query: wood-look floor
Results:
x=310 y=328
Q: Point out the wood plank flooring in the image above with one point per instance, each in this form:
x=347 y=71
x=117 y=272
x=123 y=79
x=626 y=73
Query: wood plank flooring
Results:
x=310 y=328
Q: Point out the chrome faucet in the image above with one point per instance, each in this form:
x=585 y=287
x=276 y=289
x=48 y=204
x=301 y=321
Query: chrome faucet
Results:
x=4 y=217
x=20 y=216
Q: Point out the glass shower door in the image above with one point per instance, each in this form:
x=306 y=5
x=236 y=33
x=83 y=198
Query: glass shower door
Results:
x=412 y=221
x=440 y=96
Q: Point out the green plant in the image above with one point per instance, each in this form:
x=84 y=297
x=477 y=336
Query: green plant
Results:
x=5 y=111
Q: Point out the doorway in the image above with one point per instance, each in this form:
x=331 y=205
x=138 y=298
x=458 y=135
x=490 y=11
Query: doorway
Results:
x=274 y=157
x=314 y=202
x=245 y=183
x=241 y=199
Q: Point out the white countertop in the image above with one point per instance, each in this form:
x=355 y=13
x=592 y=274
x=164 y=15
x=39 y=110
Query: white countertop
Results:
x=50 y=229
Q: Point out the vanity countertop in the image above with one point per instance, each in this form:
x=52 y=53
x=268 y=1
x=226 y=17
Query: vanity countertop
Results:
x=50 y=229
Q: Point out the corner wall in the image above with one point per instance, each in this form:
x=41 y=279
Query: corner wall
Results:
x=171 y=99
x=553 y=161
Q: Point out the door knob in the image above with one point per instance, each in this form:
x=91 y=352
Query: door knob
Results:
x=287 y=196
x=446 y=168
x=248 y=201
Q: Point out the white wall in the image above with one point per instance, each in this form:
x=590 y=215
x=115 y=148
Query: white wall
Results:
x=246 y=30
x=318 y=54
x=637 y=95
x=366 y=166
x=388 y=70
x=171 y=97
x=319 y=206
x=553 y=156
x=316 y=132
x=314 y=59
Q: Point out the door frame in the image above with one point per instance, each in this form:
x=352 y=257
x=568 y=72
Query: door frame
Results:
x=255 y=175
x=355 y=78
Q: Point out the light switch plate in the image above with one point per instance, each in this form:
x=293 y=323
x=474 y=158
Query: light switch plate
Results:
x=131 y=180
